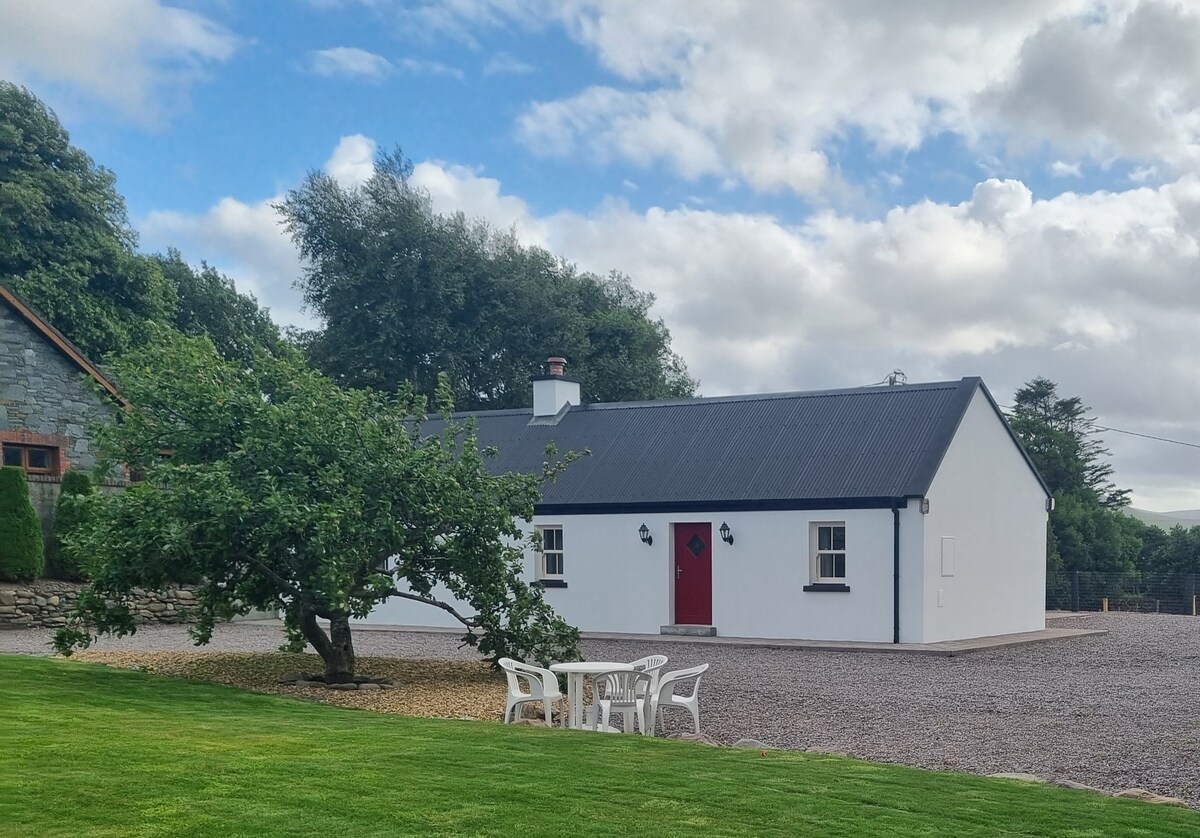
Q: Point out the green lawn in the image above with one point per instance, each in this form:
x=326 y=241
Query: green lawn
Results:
x=86 y=750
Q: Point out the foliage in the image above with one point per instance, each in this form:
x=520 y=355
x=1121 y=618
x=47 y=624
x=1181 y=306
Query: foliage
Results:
x=21 y=549
x=407 y=294
x=69 y=514
x=284 y=491
x=1060 y=436
x=1089 y=539
x=209 y=304
x=66 y=246
x=203 y=760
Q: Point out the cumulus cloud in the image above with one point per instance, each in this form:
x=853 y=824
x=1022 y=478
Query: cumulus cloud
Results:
x=353 y=159
x=1124 y=81
x=759 y=89
x=137 y=55
x=349 y=62
x=1061 y=168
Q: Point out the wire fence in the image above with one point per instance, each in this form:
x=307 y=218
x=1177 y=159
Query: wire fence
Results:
x=1084 y=590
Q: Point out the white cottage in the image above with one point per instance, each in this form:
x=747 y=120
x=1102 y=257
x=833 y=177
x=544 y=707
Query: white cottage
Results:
x=907 y=514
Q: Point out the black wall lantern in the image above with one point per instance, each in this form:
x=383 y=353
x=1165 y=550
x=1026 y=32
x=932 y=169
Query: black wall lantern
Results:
x=726 y=533
x=644 y=532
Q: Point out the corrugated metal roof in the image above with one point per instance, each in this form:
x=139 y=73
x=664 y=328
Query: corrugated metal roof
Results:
x=868 y=444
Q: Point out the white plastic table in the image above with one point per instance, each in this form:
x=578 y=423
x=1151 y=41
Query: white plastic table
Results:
x=575 y=672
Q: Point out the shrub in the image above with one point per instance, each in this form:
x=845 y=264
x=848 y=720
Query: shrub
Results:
x=69 y=512
x=22 y=553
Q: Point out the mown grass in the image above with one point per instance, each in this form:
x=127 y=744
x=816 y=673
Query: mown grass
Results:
x=91 y=751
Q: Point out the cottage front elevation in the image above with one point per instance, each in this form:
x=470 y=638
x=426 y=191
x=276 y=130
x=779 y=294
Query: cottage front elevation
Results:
x=905 y=514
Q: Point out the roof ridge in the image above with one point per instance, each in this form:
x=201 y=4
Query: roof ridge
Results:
x=783 y=394
x=870 y=389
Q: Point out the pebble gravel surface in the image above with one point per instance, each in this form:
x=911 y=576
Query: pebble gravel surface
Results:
x=1113 y=711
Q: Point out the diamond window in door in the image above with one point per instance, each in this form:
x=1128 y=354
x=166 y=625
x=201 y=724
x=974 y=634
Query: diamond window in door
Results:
x=696 y=545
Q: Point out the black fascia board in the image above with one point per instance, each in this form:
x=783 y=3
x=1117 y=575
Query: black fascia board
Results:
x=782 y=505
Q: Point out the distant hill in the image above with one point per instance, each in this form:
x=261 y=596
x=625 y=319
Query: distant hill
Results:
x=1166 y=520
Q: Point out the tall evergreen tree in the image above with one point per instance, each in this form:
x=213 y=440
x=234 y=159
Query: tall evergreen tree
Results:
x=1060 y=435
x=1088 y=534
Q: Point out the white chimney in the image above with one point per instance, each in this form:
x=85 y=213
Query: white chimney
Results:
x=552 y=392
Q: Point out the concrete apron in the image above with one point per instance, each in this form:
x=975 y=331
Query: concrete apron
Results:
x=946 y=649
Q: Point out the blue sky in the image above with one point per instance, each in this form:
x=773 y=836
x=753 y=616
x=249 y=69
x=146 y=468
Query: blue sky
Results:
x=817 y=193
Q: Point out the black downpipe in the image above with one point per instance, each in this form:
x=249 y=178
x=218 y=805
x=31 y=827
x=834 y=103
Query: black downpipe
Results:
x=895 y=572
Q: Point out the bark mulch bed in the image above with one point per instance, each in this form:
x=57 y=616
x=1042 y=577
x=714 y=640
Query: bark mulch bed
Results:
x=432 y=688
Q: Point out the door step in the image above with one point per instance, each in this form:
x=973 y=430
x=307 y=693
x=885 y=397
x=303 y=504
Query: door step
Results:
x=689 y=630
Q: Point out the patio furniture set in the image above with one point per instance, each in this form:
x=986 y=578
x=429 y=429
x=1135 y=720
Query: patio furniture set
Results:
x=638 y=690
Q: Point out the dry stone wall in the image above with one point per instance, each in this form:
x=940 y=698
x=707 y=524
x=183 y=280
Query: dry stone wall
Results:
x=46 y=603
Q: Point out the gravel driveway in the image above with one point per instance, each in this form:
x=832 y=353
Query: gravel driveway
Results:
x=1110 y=711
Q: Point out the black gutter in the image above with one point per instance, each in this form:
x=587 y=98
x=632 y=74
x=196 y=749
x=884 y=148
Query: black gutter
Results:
x=766 y=505
x=896 y=571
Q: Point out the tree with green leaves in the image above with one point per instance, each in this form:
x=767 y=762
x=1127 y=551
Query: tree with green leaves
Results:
x=407 y=294
x=1061 y=438
x=22 y=552
x=69 y=513
x=66 y=246
x=208 y=303
x=277 y=489
x=1090 y=544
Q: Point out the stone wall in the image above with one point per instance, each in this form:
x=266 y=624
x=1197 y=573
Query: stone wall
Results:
x=45 y=603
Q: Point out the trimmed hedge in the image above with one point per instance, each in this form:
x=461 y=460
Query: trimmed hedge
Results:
x=22 y=554
x=69 y=512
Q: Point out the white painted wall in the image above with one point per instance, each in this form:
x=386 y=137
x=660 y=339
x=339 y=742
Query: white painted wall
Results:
x=985 y=498
x=616 y=583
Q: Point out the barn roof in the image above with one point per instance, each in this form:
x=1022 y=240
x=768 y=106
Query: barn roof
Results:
x=856 y=448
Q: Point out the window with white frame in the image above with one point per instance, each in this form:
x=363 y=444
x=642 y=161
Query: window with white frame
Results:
x=829 y=557
x=552 y=552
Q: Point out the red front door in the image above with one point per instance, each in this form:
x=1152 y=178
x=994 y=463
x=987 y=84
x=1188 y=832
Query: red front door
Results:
x=693 y=574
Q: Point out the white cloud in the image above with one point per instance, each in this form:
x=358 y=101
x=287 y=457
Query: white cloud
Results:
x=759 y=89
x=505 y=63
x=353 y=159
x=137 y=55
x=1141 y=174
x=349 y=62
x=1060 y=168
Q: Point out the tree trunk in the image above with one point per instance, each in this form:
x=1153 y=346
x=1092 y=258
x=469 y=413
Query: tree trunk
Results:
x=336 y=648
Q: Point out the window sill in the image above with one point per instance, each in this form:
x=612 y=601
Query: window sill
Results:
x=827 y=588
x=550 y=583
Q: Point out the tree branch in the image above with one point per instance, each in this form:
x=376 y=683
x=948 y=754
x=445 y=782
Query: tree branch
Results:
x=469 y=622
x=275 y=577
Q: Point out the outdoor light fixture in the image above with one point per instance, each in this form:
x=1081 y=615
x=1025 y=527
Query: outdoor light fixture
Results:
x=644 y=532
x=726 y=534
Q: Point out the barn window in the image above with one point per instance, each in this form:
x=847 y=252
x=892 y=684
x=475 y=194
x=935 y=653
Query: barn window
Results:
x=34 y=459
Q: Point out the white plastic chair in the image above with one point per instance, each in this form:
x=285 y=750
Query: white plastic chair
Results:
x=539 y=685
x=652 y=664
x=624 y=690
x=664 y=695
